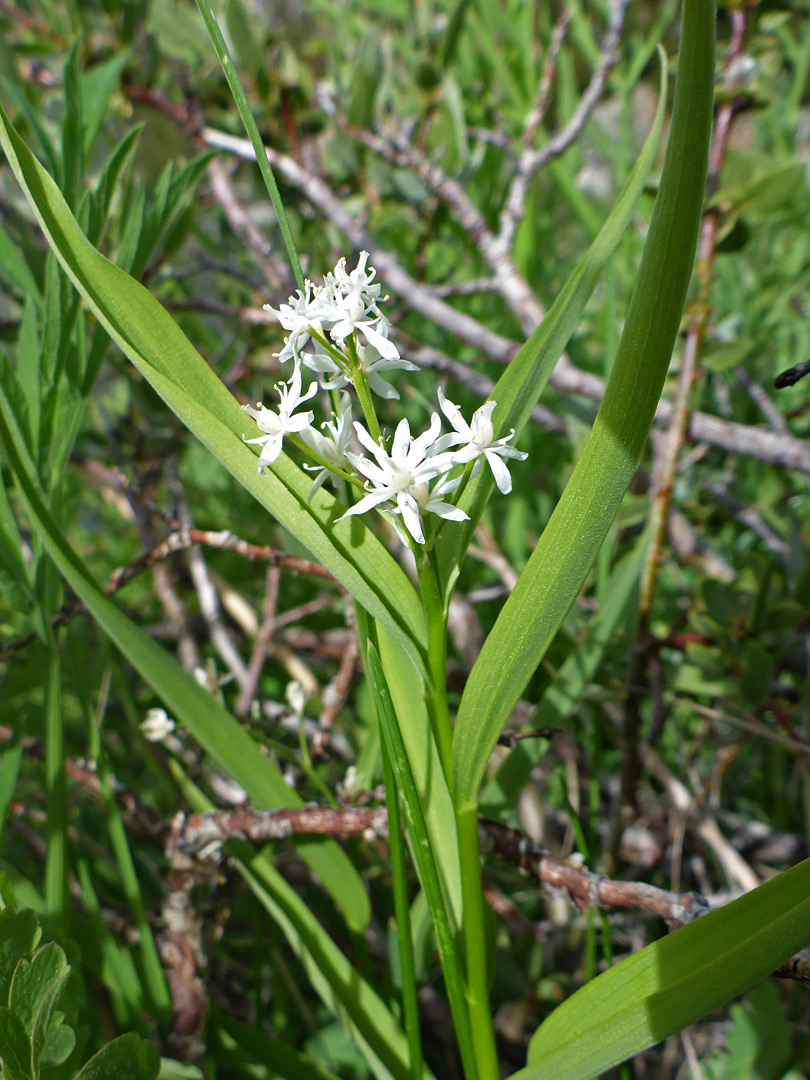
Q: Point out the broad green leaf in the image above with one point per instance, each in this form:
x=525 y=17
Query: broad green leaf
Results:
x=33 y=979
x=673 y=982
x=570 y=682
x=560 y=562
x=160 y=350
x=519 y=388
x=59 y=1044
x=19 y=934
x=15 y=1047
x=208 y=721
x=129 y=1056
x=339 y=985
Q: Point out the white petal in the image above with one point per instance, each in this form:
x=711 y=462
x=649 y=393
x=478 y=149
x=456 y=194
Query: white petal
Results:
x=367 y=468
x=271 y=451
x=368 y=503
x=316 y=483
x=401 y=443
x=381 y=387
x=446 y=510
x=410 y=515
x=500 y=472
x=421 y=443
x=453 y=414
x=384 y=347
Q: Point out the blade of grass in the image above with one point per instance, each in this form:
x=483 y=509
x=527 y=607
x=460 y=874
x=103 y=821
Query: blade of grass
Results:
x=570 y=682
x=242 y=104
x=402 y=912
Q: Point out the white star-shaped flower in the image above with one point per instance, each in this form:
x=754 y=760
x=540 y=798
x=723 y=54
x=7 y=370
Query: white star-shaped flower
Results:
x=352 y=306
x=333 y=445
x=402 y=477
x=370 y=362
x=478 y=438
x=281 y=423
x=298 y=315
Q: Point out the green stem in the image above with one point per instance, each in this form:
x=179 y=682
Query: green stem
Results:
x=55 y=788
x=402 y=911
x=475 y=951
x=240 y=98
x=344 y=474
x=436 y=695
x=360 y=382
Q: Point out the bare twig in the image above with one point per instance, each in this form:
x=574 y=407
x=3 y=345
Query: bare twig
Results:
x=201 y=836
x=261 y=644
x=533 y=160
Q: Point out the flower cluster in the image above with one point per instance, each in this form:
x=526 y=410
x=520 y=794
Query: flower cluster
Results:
x=338 y=332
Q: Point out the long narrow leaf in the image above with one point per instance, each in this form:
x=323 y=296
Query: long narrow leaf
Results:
x=155 y=344
x=519 y=388
x=673 y=982
x=570 y=682
x=208 y=721
x=560 y=563
x=424 y=858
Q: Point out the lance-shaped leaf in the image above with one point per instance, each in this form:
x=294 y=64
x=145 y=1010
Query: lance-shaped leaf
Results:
x=673 y=982
x=560 y=563
x=163 y=354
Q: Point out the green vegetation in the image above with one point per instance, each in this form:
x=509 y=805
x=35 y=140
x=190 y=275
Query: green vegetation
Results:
x=261 y=780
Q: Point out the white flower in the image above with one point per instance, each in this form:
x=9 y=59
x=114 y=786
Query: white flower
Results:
x=370 y=362
x=478 y=438
x=403 y=476
x=282 y=423
x=157 y=725
x=298 y=316
x=333 y=445
x=352 y=306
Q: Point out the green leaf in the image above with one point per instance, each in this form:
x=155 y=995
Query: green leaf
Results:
x=519 y=388
x=208 y=721
x=19 y=934
x=32 y=982
x=15 y=1047
x=423 y=756
x=563 y=556
x=160 y=350
x=97 y=86
x=424 y=856
x=129 y=1056
x=673 y=982
x=60 y=1042
x=570 y=682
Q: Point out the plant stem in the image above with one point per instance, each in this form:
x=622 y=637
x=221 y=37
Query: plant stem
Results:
x=402 y=911
x=436 y=696
x=475 y=951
